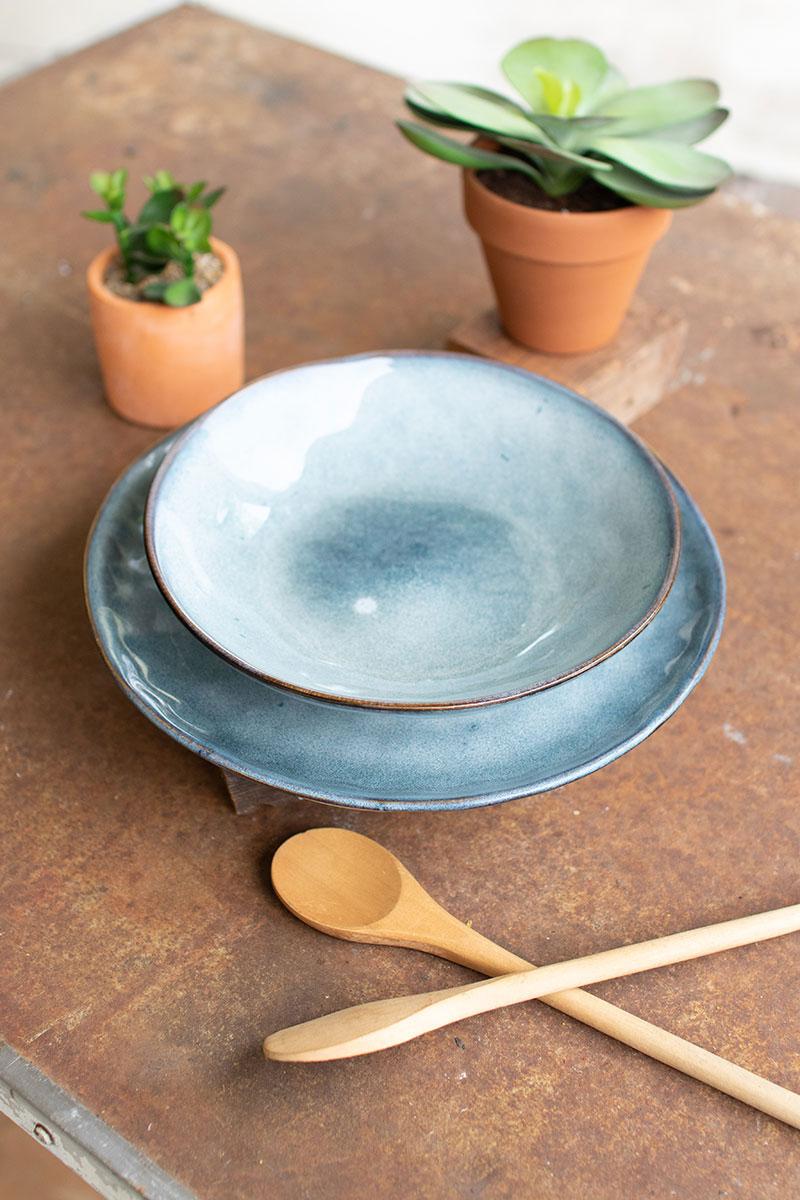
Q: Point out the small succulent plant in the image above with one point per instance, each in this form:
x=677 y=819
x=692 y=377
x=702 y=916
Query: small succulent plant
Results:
x=173 y=226
x=580 y=120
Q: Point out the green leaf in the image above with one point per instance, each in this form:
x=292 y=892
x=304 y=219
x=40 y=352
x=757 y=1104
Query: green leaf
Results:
x=211 y=198
x=471 y=108
x=157 y=208
x=155 y=291
x=471 y=157
x=99 y=214
x=570 y=60
x=178 y=216
x=552 y=153
x=118 y=179
x=665 y=162
x=574 y=133
x=613 y=85
x=694 y=130
x=561 y=131
x=194 y=191
x=182 y=293
x=480 y=112
x=164 y=181
x=560 y=96
x=643 y=191
x=422 y=107
x=647 y=108
x=163 y=242
x=99 y=182
x=195 y=229
x=138 y=247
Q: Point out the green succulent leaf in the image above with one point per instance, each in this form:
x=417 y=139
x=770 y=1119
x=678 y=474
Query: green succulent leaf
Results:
x=179 y=216
x=574 y=133
x=693 y=130
x=136 y=240
x=503 y=121
x=472 y=157
x=111 y=186
x=192 y=226
x=639 y=190
x=98 y=214
x=575 y=63
x=211 y=198
x=420 y=106
x=195 y=190
x=613 y=85
x=552 y=153
x=161 y=181
x=155 y=290
x=99 y=182
x=157 y=208
x=162 y=241
x=647 y=108
x=182 y=293
x=476 y=111
x=665 y=162
x=561 y=96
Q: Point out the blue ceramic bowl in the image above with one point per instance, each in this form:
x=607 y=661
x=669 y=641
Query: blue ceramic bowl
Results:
x=412 y=531
x=389 y=759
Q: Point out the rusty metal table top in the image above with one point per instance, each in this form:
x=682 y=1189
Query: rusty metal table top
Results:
x=143 y=955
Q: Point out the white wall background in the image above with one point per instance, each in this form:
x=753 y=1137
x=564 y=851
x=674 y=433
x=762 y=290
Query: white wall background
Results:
x=752 y=47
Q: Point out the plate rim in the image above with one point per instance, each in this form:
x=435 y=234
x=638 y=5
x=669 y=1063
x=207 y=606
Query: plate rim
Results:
x=455 y=803
x=230 y=656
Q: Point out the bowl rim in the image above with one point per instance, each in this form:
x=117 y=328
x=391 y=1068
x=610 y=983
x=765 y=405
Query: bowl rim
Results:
x=406 y=705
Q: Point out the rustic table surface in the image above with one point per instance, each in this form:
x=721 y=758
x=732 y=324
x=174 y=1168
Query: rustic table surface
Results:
x=143 y=955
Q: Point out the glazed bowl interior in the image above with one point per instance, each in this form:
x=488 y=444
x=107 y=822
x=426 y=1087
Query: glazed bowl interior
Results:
x=412 y=530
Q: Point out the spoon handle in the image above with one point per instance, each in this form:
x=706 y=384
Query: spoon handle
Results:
x=463 y=944
x=376 y=1026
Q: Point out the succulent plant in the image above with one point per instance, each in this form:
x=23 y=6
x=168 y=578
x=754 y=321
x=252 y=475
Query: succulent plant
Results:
x=173 y=226
x=580 y=120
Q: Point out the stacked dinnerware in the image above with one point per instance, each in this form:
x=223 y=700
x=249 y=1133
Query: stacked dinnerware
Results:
x=405 y=580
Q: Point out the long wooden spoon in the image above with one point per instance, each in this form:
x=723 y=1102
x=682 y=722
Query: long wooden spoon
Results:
x=379 y=1024
x=349 y=886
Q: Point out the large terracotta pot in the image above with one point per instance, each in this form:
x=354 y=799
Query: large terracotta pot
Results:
x=163 y=366
x=563 y=280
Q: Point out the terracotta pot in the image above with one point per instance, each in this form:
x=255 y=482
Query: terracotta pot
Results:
x=163 y=366
x=563 y=280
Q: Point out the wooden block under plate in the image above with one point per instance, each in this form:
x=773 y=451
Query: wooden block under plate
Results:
x=626 y=378
x=247 y=794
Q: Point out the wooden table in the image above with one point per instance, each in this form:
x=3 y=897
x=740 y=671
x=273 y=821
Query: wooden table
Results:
x=143 y=955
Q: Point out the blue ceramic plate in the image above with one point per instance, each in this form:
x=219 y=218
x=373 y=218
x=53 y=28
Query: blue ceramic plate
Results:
x=412 y=531
x=386 y=759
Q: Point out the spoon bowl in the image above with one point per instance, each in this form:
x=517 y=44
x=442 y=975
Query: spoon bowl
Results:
x=336 y=880
x=349 y=886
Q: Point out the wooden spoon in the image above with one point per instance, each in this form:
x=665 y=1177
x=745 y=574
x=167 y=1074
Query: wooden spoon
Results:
x=349 y=886
x=383 y=1023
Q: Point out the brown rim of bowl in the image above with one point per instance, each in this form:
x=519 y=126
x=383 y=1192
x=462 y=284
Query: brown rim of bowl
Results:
x=406 y=706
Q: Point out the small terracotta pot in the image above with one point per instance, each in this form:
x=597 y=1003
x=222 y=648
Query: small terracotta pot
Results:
x=163 y=366
x=563 y=280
